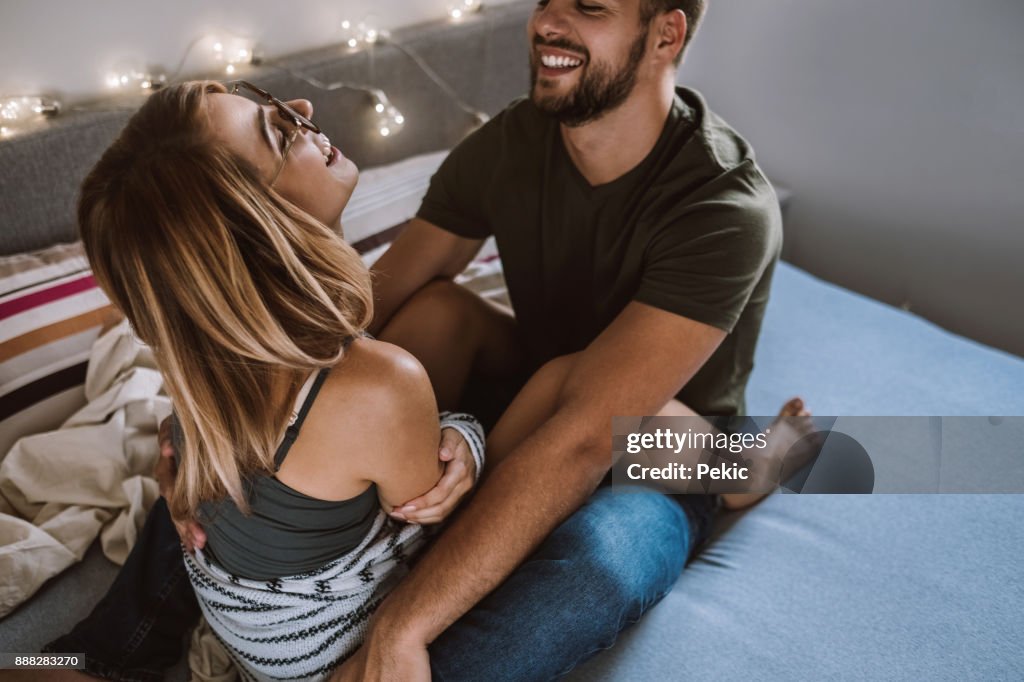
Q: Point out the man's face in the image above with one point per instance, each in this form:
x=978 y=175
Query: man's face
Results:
x=584 y=56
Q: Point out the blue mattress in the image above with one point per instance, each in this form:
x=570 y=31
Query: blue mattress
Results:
x=851 y=355
x=883 y=587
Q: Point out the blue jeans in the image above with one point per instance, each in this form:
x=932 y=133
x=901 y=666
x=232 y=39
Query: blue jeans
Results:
x=596 y=574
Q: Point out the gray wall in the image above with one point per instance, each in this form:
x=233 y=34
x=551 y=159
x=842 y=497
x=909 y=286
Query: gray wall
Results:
x=899 y=125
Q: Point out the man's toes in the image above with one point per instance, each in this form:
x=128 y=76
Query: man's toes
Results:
x=792 y=408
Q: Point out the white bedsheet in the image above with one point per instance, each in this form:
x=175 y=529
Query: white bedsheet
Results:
x=60 y=489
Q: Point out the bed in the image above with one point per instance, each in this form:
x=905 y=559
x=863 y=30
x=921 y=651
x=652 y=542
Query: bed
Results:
x=799 y=587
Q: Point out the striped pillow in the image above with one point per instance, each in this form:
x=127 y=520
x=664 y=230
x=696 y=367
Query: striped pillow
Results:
x=51 y=311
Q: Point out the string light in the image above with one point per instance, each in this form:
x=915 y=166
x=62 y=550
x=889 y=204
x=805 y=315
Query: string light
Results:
x=390 y=120
x=363 y=34
x=458 y=11
x=130 y=77
x=20 y=112
x=233 y=51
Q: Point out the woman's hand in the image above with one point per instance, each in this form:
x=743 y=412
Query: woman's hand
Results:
x=190 y=532
x=459 y=475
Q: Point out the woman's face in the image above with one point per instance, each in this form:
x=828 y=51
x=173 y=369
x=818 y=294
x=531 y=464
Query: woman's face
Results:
x=257 y=133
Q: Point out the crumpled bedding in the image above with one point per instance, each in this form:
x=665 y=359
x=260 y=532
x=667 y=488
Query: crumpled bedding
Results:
x=92 y=477
x=60 y=489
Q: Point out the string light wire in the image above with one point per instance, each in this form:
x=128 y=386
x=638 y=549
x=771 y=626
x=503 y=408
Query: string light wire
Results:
x=389 y=119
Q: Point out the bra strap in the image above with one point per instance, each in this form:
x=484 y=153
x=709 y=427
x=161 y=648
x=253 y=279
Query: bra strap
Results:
x=292 y=432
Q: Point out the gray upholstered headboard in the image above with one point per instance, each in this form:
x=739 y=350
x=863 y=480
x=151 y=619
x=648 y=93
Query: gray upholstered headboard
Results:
x=484 y=59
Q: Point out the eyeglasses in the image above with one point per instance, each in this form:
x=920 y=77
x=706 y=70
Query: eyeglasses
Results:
x=286 y=112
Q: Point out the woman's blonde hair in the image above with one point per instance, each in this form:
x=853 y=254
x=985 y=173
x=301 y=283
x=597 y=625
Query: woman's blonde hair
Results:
x=227 y=281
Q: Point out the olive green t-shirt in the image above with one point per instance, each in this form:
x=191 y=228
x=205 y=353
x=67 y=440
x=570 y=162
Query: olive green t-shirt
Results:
x=694 y=229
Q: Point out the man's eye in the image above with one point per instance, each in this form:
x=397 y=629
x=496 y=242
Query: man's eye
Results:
x=590 y=9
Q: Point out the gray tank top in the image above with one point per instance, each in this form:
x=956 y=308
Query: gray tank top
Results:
x=288 y=532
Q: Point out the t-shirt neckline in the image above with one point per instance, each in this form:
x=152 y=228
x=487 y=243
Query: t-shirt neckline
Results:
x=676 y=114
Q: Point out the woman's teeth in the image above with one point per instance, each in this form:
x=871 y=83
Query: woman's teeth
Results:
x=559 y=62
x=326 y=149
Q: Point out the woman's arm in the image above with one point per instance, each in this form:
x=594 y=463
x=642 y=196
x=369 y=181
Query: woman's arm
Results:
x=384 y=413
x=405 y=445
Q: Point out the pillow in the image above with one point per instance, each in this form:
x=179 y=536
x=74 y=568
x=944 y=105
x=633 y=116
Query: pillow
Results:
x=387 y=197
x=51 y=311
x=384 y=200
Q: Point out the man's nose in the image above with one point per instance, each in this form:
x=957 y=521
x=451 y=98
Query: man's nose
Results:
x=549 y=21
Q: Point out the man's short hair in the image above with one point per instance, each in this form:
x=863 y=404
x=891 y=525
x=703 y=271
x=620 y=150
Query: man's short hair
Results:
x=693 y=9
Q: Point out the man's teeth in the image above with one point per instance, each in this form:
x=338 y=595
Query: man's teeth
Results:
x=559 y=62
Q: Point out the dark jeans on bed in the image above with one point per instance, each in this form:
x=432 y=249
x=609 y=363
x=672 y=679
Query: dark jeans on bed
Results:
x=593 y=576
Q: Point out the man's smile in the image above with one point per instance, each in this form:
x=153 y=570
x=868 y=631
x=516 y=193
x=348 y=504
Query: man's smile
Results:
x=557 y=59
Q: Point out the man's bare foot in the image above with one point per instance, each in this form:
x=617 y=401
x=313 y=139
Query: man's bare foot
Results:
x=779 y=460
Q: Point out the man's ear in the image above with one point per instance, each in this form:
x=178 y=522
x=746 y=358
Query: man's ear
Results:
x=670 y=30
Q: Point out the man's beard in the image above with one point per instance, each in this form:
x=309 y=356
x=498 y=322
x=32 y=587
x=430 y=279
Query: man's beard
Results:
x=598 y=90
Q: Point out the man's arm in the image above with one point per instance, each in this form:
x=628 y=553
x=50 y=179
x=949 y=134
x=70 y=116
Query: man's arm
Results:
x=634 y=367
x=423 y=252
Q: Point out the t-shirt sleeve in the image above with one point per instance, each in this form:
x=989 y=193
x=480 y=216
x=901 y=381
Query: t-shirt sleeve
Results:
x=455 y=198
x=705 y=262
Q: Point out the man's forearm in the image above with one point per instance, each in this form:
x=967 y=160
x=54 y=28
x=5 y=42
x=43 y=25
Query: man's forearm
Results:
x=527 y=496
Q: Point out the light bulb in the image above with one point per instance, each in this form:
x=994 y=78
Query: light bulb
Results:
x=23 y=111
x=460 y=9
x=390 y=120
x=233 y=51
x=128 y=76
x=361 y=34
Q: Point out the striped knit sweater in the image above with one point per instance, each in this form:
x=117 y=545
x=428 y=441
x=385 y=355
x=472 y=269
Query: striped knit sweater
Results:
x=302 y=627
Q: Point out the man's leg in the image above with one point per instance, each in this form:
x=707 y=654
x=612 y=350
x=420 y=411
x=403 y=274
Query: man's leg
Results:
x=599 y=571
x=596 y=574
x=137 y=629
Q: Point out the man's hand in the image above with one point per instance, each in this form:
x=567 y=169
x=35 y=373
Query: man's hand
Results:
x=386 y=659
x=190 y=532
x=459 y=474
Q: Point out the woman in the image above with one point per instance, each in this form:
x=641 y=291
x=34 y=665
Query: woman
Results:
x=207 y=224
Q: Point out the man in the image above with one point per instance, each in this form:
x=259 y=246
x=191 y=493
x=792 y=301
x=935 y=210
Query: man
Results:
x=638 y=238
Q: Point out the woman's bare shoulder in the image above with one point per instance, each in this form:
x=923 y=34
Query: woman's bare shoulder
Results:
x=376 y=369
x=375 y=409
x=390 y=417
x=382 y=387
